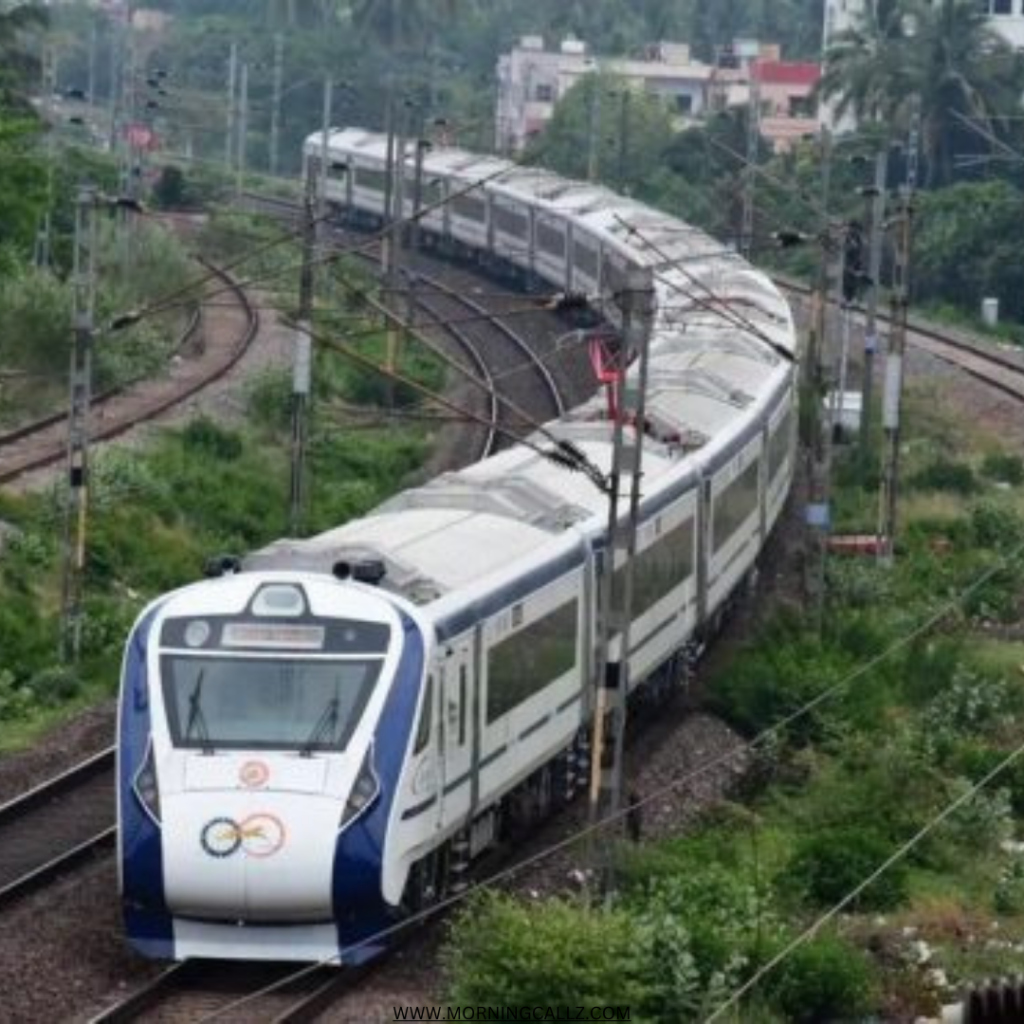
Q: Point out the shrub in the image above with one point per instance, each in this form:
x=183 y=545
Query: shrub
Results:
x=1004 y=468
x=205 y=436
x=946 y=475
x=505 y=952
x=54 y=685
x=829 y=864
x=825 y=979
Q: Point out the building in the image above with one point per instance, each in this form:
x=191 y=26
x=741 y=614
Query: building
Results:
x=531 y=81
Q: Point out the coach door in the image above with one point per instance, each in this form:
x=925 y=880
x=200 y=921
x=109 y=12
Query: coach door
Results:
x=457 y=718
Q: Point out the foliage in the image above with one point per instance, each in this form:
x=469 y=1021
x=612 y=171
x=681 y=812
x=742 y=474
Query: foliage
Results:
x=828 y=865
x=946 y=475
x=1004 y=468
x=824 y=979
x=966 y=245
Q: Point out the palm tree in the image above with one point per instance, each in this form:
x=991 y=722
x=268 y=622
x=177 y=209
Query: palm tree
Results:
x=953 y=64
x=965 y=70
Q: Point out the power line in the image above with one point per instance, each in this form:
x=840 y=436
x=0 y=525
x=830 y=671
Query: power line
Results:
x=898 y=855
x=620 y=814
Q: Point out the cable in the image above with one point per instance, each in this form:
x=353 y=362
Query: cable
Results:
x=621 y=814
x=899 y=854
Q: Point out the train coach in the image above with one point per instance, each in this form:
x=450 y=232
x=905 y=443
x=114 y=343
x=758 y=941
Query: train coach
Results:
x=324 y=736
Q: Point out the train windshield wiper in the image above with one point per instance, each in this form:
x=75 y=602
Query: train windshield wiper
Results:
x=196 y=718
x=324 y=727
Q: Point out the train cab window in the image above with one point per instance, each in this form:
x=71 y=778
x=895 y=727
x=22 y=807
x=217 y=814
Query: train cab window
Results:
x=734 y=505
x=253 y=702
x=524 y=663
x=426 y=718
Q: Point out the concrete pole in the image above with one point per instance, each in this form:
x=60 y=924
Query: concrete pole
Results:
x=90 y=88
x=750 y=171
x=875 y=273
x=275 y=103
x=243 y=127
x=593 y=127
x=79 y=402
x=229 y=137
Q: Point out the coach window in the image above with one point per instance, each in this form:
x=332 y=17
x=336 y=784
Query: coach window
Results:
x=585 y=259
x=526 y=662
x=550 y=240
x=734 y=505
x=469 y=207
x=778 y=447
x=463 y=700
x=373 y=180
x=510 y=221
x=426 y=717
x=660 y=568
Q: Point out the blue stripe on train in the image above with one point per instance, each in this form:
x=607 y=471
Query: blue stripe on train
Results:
x=359 y=908
x=145 y=910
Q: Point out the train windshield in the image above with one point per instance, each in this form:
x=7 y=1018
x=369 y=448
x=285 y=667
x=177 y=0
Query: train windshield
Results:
x=305 y=705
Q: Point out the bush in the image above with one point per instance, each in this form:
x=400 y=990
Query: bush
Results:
x=204 y=436
x=504 y=952
x=1004 y=468
x=945 y=475
x=831 y=863
x=54 y=685
x=825 y=979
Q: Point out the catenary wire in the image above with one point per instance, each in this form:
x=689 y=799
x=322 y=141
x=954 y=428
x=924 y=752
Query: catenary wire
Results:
x=809 y=932
x=620 y=815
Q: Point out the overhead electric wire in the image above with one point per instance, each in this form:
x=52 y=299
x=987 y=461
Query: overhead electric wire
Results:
x=377 y=236
x=808 y=933
x=617 y=816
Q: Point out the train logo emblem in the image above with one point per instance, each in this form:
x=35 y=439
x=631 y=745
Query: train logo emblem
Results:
x=254 y=774
x=260 y=835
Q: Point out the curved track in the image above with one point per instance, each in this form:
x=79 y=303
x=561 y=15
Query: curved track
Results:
x=991 y=367
x=56 y=826
x=44 y=442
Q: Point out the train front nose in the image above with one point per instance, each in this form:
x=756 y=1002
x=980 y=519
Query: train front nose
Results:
x=265 y=857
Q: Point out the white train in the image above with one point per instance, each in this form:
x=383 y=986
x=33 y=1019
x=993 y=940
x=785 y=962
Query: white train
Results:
x=325 y=739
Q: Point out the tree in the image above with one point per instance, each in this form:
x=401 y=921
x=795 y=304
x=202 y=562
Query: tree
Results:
x=18 y=63
x=954 y=66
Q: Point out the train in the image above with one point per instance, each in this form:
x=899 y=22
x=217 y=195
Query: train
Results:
x=325 y=735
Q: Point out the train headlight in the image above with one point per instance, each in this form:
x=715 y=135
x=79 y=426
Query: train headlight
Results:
x=364 y=791
x=147 y=787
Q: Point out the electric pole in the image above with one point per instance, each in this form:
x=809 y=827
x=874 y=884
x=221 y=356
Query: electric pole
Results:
x=325 y=138
x=275 y=103
x=229 y=137
x=243 y=127
x=615 y=595
x=875 y=273
x=303 y=361
x=750 y=171
x=44 y=234
x=624 y=119
x=80 y=398
x=594 y=126
x=893 y=393
x=90 y=87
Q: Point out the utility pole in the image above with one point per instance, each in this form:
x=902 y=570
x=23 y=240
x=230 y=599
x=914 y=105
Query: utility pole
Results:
x=624 y=124
x=750 y=170
x=615 y=597
x=44 y=234
x=275 y=103
x=303 y=362
x=893 y=393
x=594 y=126
x=80 y=398
x=875 y=273
x=129 y=162
x=325 y=138
x=243 y=127
x=229 y=137
x=90 y=87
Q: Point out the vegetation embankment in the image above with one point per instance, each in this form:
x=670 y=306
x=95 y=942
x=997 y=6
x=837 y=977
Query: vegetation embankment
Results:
x=158 y=511
x=919 y=694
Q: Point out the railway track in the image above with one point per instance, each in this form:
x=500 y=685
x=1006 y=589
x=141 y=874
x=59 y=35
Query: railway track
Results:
x=56 y=826
x=43 y=442
x=235 y=993
x=992 y=368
